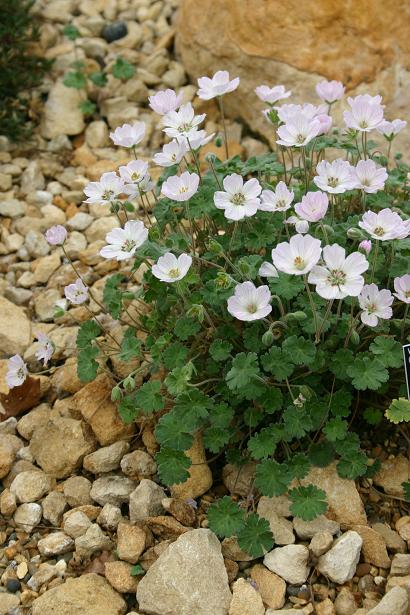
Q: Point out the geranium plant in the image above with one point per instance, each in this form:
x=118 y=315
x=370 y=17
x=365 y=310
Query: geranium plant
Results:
x=274 y=294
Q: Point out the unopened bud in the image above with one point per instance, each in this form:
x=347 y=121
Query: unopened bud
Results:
x=267 y=338
x=197 y=311
x=355 y=233
x=306 y=391
x=215 y=247
x=365 y=246
x=355 y=338
x=116 y=394
x=329 y=229
x=223 y=280
x=218 y=141
x=244 y=267
x=129 y=383
x=299 y=316
x=272 y=116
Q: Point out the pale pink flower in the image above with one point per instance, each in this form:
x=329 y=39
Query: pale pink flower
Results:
x=301 y=226
x=391 y=129
x=239 y=200
x=297 y=256
x=330 y=91
x=196 y=139
x=334 y=177
x=340 y=276
x=250 y=303
x=298 y=131
x=124 y=242
x=17 y=371
x=366 y=113
x=182 y=123
x=169 y=268
x=107 y=190
x=77 y=292
x=325 y=123
x=134 y=171
x=164 y=101
x=143 y=186
x=172 y=153
x=45 y=348
x=313 y=206
x=181 y=187
x=368 y=176
x=218 y=85
x=385 y=225
x=56 y=235
x=267 y=270
x=278 y=200
x=365 y=246
x=272 y=95
x=290 y=111
x=402 y=288
x=375 y=304
x=128 y=135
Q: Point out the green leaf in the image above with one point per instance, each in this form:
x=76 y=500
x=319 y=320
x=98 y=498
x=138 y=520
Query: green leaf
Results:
x=388 y=350
x=186 y=327
x=175 y=355
x=398 y=411
x=286 y=286
x=406 y=491
x=216 y=438
x=299 y=466
x=98 y=79
x=178 y=379
x=149 y=398
x=352 y=465
x=127 y=409
x=87 y=332
x=335 y=429
x=172 y=466
x=263 y=443
x=244 y=369
x=373 y=416
x=321 y=454
x=71 y=32
x=301 y=350
x=112 y=295
x=123 y=70
x=340 y=362
x=367 y=373
x=137 y=570
x=297 y=422
x=255 y=537
x=87 y=366
x=272 y=478
x=87 y=107
x=277 y=363
x=225 y=518
x=220 y=350
x=307 y=502
x=75 y=79
x=170 y=433
x=130 y=345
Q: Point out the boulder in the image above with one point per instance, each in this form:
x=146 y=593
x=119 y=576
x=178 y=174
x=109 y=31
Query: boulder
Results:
x=16 y=338
x=339 y=563
x=62 y=114
x=289 y=562
x=200 y=475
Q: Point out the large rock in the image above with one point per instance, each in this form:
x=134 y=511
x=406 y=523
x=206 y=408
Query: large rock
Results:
x=88 y=594
x=395 y=601
x=392 y=474
x=279 y=42
x=289 y=562
x=200 y=475
x=15 y=328
x=339 y=563
x=189 y=577
x=245 y=599
x=62 y=114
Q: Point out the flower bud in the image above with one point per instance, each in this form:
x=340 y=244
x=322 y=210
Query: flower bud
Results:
x=215 y=247
x=197 y=311
x=129 y=383
x=116 y=394
x=299 y=316
x=306 y=391
x=272 y=116
x=355 y=233
x=244 y=268
x=329 y=229
x=218 y=141
x=355 y=338
x=267 y=338
x=365 y=246
x=223 y=280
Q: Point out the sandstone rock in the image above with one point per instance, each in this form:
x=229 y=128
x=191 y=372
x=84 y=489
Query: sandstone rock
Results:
x=393 y=541
x=278 y=504
x=245 y=599
x=325 y=608
x=106 y=458
x=118 y=574
x=94 y=403
x=308 y=529
x=15 y=339
x=44 y=305
x=109 y=517
x=271 y=587
x=232 y=550
x=8 y=602
x=395 y=601
x=7 y=503
x=7 y=457
x=281 y=528
x=165 y=527
x=374 y=546
x=239 y=480
x=193 y=561
x=339 y=563
x=130 y=542
x=320 y=543
x=92 y=541
x=62 y=114
x=200 y=475
x=181 y=510
x=65 y=379
x=54 y=504
x=400 y=564
x=392 y=474
x=146 y=500
x=113 y=490
x=45 y=267
x=60 y=446
x=77 y=491
x=38 y=417
x=31 y=486
x=76 y=524
x=289 y=562
x=27 y=516
x=138 y=464
x=88 y=593
x=96 y=134
x=345 y=603
x=55 y=544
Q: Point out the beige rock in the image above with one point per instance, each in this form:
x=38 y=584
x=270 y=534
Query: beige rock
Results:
x=118 y=575
x=320 y=543
x=395 y=601
x=31 y=486
x=392 y=474
x=374 y=546
x=193 y=561
x=339 y=563
x=281 y=528
x=15 y=339
x=65 y=378
x=7 y=503
x=403 y=528
x=94 y=403
x=38 y=417
x=7 y=457
x=245 y=599
x=113 y=490
x=289 y=562
x=88 y=593
x=8 y=602
x=54 y=504
x=308 y=529
x=325 y=608
x=131 y=541
x=271 y=587
x=239 y=480
x=27 y=516
x=45 y=266
x=55 y=544
x=62 y=115
x=400 y=564
x=232 y=550
x=109 y=517
x=146 y=500
x=77 y=491
x=200 y=475
x=393 y=541
x=96 y=134
x=106 y=459
x=345 y=603
x=92 y=540
x=76 y=524
x=138 y=464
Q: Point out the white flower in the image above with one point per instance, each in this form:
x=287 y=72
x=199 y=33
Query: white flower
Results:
x=402 y=288
x=17 y=371
x=301 y=226
x=375 y=304
x=106 y=190
x=330 y=91
x=77 y=292
x=278 y=200
x=272 y=95
x=313 y=206
x=290 y=111
x=240 y=200
x=172 y=153
x=169 y=268
x=128 y=135
x=368 y=176
x=385 y=225
x=196 y=139
x=56 y=235
x=45 y=348
x=391 y=129
x=250 y=303
x=135 y=190
x=182 y=123
x=134 y=171
x=218 y=85
x=334 y=177
x=165 y=101
x=123 y=243
x=181 y=187
x=267 y=270
x=297 y=256
x=366 y=113
x=340 y=276
x=298 y=131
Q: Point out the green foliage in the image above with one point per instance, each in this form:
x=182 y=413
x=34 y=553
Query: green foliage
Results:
x=399 y=411
x=123 y=70
x=255 y=537
x=75 y=79
x=172 y=466
x=307 y=502
x=137 y=570
x=225 y=518
x=406 y=490
x=149 y=397
x=243 y=371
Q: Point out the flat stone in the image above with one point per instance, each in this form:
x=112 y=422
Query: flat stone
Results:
x=395 y=601
x=55 y=544
x=320 y=543
x=339 y=563
x=131 y=541
x=15 y=339
x=393 y=541
x=146 y=501
x=374 y=549
x=271 y=587
x=8 y=602
x=27 y=516
x=118 y=575
x=62 y=114
x=106 y=459
x=245 y=599
x=289 y=562
x=400 y=564
x=77 y=491
x=308 y=529
x=115 y=490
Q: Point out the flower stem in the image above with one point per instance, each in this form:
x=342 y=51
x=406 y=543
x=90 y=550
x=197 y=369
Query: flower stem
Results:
x=312 y=304
x=221 y=108
x=376 y=251
x=403 y=324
